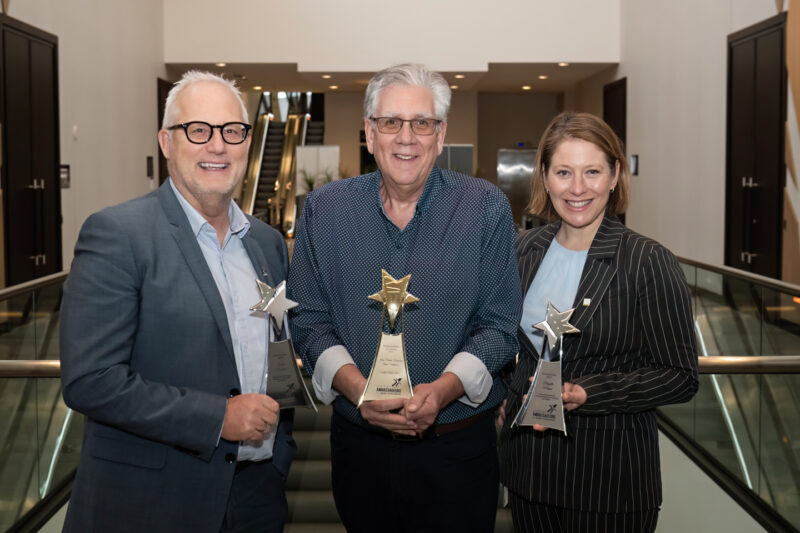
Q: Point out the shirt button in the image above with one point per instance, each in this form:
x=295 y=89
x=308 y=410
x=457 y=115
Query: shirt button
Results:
x=230 y=458
x=234 y=392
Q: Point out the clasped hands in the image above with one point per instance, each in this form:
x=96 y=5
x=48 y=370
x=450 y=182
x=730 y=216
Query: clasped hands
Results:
x=406 y=416
x=572 y=395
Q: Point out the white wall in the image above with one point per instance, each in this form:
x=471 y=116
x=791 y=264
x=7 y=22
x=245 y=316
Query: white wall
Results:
x=674 y=55
x=109 y=55
x=354 y=35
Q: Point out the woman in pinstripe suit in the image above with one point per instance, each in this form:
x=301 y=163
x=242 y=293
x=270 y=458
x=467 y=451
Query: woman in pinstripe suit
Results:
x=635 y=350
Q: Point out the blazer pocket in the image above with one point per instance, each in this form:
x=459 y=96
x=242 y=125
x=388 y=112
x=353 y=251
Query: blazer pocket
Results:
x=143 y=454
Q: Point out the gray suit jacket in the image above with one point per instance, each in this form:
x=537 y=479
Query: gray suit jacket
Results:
x=147 y=356
x=635 y=351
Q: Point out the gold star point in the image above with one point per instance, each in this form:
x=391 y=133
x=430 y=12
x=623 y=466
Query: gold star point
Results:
x=393 y=294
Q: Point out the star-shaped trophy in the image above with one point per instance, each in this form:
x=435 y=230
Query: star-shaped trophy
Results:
x=389 y=377
x=543 y=404
x=282 y=380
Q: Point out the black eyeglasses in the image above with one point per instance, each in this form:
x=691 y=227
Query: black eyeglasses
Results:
x=201 y=132
x=420 y=126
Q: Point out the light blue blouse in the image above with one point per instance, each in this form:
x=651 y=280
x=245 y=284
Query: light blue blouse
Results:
x=556 y=281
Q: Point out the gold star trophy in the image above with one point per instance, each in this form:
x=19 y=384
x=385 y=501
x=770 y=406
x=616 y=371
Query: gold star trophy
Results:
x=389 y=376
x=543 y=404
x=282 y=378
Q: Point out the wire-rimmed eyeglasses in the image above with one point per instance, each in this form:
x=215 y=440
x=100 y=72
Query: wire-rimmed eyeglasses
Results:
x=198 y=132
x=420 y=126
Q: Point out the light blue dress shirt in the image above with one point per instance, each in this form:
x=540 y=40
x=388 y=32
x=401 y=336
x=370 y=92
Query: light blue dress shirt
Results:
x=556 y=282
x=236 y=281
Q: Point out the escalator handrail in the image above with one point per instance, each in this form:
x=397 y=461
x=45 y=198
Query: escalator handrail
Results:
x=756 y=279
x=711 y=364
x=32 y=285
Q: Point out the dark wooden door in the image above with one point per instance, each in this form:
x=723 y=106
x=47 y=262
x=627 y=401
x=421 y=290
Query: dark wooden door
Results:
x=615 y=111
x=30 y=181
x=163 y=88
x=755 y=170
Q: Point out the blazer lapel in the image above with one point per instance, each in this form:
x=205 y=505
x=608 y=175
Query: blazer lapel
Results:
x=599 y=270
x=187 y=243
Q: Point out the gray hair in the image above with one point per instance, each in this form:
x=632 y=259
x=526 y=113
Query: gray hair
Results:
x=409 y=74
x=187 y=80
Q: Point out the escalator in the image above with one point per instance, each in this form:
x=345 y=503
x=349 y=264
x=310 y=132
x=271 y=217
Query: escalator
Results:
x=742 y=429
x=269 y=188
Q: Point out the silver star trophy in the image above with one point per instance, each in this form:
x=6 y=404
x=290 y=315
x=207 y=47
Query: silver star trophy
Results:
x=282 y=378
x=543 y=404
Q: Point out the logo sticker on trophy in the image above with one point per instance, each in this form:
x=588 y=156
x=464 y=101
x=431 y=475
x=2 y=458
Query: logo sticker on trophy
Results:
x=543 y=404
x=389 y=376
x=282 y=378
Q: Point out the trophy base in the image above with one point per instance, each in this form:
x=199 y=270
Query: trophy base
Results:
x=543 y=404
x=285 y=383
x=389 y=376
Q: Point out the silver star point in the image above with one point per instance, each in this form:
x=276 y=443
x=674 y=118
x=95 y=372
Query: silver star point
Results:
x=274 y=302
x=556 y=324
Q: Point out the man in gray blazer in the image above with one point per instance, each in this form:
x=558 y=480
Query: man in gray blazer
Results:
x=159 y=348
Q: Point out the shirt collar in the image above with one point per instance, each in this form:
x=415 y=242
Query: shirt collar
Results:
x=238 y=221
x=433 y=185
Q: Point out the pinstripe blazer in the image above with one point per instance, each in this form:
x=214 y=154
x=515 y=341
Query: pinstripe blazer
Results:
x=635 y=350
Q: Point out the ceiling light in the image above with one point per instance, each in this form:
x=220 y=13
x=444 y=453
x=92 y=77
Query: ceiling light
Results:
x=257 y=88
x=542 y=77
x=221 y=64
x=334 y=87
x=326 y=76
x=459 y=76
x=454 y=86
x=563 y=64
x=526 y=87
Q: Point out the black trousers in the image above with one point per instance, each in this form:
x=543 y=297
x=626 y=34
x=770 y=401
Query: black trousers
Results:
x=530 y=517
x=257 y=501
x=443 y=483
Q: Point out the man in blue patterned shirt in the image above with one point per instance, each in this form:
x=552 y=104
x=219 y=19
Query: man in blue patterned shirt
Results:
x=427 y=463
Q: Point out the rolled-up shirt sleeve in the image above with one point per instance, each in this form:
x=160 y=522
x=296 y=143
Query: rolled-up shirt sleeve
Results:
x=328 y=364
x=474 y=376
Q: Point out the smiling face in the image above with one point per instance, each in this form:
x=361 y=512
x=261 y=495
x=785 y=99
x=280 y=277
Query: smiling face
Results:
x=579 y=181
x=404 y=158
x=205 y=174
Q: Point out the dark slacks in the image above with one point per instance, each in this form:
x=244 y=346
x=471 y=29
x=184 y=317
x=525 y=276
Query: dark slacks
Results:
x=257 y=500
x=537 y=517
x=442 y=483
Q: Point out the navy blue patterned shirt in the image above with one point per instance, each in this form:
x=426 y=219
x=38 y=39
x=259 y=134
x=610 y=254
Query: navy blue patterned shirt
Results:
x=459 y=250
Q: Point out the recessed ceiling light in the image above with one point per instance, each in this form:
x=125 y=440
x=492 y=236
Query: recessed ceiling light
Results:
x=221 y=64
x=326 y=76
x=563 y=64
x=459 y=76
x=542 y=77
x=454 y=86
x=257 y=88
x=526 y=87
x=334 y=87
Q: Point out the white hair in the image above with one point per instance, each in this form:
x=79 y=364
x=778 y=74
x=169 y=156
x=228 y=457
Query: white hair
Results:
x=187 y=80
x=409 y=74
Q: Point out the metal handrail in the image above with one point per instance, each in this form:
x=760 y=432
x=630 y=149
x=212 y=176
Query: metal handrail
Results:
x=710 y=364
x=28 y=286
x=756 y=279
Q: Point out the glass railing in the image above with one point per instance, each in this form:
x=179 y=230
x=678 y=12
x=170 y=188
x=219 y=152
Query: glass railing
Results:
x=748 y=422
x=39 y=436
